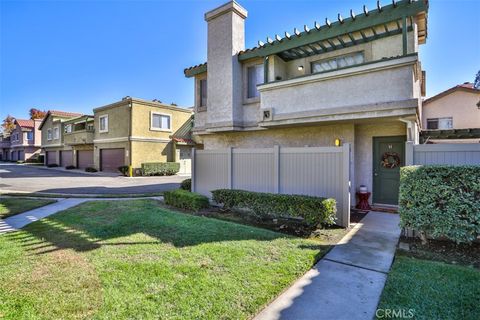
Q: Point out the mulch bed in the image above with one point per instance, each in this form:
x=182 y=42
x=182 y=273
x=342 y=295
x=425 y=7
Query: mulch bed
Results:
x=445 y=251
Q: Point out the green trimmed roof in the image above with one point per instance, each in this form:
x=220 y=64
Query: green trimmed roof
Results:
x=345 y=32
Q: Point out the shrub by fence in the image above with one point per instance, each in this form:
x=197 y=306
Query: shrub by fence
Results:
x=441 y=201
x=160 y=168
x=185 y=200
x=314 y=210
x=186 y=185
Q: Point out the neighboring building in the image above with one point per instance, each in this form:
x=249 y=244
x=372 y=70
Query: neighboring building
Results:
x=357 y=79
x=52 y=128
x=25 y=140
x=452 y=115
x=134 y=131
x=4 y=146
x=78 y=135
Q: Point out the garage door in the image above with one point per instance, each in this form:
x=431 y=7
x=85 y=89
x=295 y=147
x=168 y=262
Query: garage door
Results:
x=51 y=157
x=66 y=158
x=111 y=159
x=84 y=159
x=21 y=155
x=14 y=155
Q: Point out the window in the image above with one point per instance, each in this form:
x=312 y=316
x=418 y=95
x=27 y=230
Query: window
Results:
x=254 y=77
x=160 y=121
x=103 y=123
x=203 y=93
x=90 y=126
x=440 y=123
x=55 y=133
x=30 y=135
x=68 y=128
x=338 y=62
x=49 y=134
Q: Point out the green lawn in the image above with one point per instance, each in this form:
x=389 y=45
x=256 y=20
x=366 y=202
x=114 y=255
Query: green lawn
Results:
x=13 y=206
x=137 y=260
x=434 y=290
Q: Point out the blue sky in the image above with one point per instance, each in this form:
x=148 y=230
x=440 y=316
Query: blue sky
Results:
x=78 y=55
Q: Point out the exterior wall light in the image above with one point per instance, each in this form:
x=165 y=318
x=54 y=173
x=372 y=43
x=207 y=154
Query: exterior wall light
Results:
x=338 y=142
x=300 y=68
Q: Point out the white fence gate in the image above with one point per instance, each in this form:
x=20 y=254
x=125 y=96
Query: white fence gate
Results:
x=320 y=171
x=449 y=154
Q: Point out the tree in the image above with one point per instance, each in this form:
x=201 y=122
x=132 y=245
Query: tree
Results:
x=37 y=114
x=8 y=124
x=476 y=82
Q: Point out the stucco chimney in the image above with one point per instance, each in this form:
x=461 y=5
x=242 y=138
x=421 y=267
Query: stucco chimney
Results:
x=226 y=37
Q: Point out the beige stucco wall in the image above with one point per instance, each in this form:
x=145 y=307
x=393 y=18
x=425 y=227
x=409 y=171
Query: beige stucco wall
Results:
x=51 y=123
x=460 y=105
x=118 y=122
x=143 y=152
x=364 y=134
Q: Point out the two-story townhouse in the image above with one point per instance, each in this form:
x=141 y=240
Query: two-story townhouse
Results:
x=452 y=115
x=135 y=131
x=78 y=135
x=25 y=140
x=4 y=146
x=357 y=80
x=53 y=129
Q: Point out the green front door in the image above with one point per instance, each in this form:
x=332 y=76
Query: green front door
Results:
x=388 y=156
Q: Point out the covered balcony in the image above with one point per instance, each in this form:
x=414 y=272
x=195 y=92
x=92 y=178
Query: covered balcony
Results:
x=79 y=131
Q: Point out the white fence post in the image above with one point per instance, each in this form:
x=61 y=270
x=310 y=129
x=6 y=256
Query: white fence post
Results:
x=276 y=169
x=230 y=168
x=193 y=170
x=409 y=153
x=346 y=186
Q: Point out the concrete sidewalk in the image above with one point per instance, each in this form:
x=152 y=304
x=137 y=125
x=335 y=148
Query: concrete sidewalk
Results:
x=348 y=281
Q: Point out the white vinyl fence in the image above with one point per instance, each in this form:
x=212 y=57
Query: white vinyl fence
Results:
x=322 y=172
x=449 y=154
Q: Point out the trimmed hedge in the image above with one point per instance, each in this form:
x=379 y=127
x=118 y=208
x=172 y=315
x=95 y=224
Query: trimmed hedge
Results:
x=185 y=200
x=160 y=168
x=441 y=201
x=123 y=170
x=313 y=210
x=90 y=169
x=186 y=185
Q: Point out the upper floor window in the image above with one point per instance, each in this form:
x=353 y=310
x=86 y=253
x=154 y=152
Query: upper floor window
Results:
x=255 y=76
x=103 y=126
x=440 y=123
x=160 y=121
x=203 y=92
x=49 y=134
x=89 y=126
x=56 y=133
x=338 y=62
x=30 y=135
x=68 y=128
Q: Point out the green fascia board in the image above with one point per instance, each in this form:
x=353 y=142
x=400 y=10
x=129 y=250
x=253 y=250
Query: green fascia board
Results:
x=191 y=72
x=362 y=21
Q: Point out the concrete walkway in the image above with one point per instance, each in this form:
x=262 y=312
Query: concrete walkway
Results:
x=348 y=281
x=20 y=220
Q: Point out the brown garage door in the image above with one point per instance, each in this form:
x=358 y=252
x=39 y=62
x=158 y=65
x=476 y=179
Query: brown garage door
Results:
x=84 y=159
x=66 y=158
x=51 y=157
x=111 y=159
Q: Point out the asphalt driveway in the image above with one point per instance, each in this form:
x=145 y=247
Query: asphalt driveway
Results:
x=21 y=178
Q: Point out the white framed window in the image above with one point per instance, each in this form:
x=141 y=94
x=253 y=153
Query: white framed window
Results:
x=56 y=133
x=338 y=62
x=160 y=121
x=30 y=135
x=203 y=92
x=103 y=123
x=440 y=123
x=255 y=76
x=68 y=128
x=49 y=134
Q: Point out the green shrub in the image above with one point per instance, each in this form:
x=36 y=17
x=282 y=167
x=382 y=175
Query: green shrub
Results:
x=160 y=168
x=441 y=201
x=123 y=170
x=20 y=161
x=52 y=165
x=185 y=200
x=186 y=185
x=70 y=167
x=90 y=169
x=313 y=210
